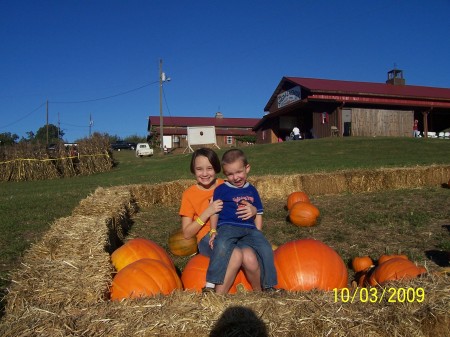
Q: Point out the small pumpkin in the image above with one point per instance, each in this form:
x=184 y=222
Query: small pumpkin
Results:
x=303 y=214
x=144 y=278
x=193 y=276
x=136 y=249
x=180 y=246
x=307 y=264
x=296 y=197
x=386 y=257
x=396 y=268
x=361 y=263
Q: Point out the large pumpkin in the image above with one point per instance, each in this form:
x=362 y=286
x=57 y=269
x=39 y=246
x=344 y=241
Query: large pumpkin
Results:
x=361 y=263
x=144 y=278
x=193 y=276
x=139 y=248
x=394 y=269
x=180 y=246
x=303 y=214
x=296 y=197
x=307 y=264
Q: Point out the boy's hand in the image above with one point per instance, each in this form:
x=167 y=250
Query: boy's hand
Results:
x=211 y=240
x=246 y=211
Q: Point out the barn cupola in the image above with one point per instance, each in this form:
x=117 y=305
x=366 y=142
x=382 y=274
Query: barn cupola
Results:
x=395 y=77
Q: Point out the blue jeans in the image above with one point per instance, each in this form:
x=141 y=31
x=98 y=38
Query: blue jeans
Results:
x=229 y=237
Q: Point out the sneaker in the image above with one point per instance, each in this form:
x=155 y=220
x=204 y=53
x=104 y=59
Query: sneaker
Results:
x=274 y=290
x=206 y=290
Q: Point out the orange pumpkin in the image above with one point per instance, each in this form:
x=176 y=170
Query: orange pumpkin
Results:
x=307 y=264
x=303 y=214
x=180 y=246
x=296 y=197
x=144 y=278
x=361 y=263
x=193 y=276
x=394 y=269
x=385 y=257
x=136 y=249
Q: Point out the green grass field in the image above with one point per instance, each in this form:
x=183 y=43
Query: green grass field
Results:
x=29 y=208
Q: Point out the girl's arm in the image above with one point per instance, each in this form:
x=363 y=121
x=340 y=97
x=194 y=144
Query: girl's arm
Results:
x=191 y=227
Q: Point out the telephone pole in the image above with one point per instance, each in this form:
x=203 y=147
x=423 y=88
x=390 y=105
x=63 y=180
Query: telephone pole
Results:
x=47 y=120
x=162 y=79
x=161 y=132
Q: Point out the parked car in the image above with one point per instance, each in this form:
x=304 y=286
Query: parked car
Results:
x=123 y=145
x=143 y=149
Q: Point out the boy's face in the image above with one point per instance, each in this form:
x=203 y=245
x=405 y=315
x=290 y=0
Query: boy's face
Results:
x=236 y=173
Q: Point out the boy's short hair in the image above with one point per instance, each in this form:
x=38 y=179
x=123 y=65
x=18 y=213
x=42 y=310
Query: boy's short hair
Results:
x=233 y=155
x=208 y=153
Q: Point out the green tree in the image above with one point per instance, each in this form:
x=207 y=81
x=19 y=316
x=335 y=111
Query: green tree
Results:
x=55 y=135
x=7 y=138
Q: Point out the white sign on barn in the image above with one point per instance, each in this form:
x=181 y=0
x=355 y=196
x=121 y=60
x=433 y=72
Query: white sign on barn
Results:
x=289 y=96
x=201 y=135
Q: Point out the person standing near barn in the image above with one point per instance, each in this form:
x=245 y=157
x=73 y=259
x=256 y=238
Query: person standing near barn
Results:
x=197 y=208
x=296 y=132
x=416 y=132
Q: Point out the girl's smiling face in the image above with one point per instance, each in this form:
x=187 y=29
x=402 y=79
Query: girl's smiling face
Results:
x=204 y=172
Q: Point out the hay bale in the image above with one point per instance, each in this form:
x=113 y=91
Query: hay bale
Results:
x=62 y=288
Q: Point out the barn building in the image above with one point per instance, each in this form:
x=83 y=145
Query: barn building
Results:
x=230 y=132
x=325 y=108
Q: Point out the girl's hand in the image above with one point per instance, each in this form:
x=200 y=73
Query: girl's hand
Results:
x=246 y=212
x=215 y=207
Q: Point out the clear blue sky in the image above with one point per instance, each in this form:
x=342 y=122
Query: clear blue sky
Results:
x=220 y=55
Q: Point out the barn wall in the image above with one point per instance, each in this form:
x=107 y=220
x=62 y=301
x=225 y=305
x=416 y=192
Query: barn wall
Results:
x=378 y=122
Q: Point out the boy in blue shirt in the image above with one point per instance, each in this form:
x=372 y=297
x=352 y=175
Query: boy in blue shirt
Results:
x=227 y=228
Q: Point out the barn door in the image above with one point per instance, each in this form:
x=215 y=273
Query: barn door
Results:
x=346 y=122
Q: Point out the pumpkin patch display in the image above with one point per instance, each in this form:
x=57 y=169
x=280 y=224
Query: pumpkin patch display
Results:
x=139 y=248
x=361 y=263
x=180 y=246
x=193 y=276
x=295 y=197
x=307 y=264
x=303 y=214
x=396 y=268
x=144 y=278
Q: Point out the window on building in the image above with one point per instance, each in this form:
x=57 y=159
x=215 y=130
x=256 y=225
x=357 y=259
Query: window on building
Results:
x=229 y=140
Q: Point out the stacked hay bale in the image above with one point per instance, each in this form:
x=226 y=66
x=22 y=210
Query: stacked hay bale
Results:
x=63 y=286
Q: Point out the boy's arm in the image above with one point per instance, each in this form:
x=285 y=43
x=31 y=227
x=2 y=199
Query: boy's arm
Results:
x=258 y=221
x=213 y=232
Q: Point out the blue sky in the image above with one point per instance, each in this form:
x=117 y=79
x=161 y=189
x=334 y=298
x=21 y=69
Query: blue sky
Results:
x=226 y=56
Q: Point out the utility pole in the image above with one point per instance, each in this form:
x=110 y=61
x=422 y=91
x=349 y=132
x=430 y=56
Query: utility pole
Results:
x=47 y=120
x=59 y=126
x=162 y=79
x=161 y=126
x=91 y=122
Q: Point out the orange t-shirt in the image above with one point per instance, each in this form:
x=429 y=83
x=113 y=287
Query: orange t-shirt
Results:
x=193 y=202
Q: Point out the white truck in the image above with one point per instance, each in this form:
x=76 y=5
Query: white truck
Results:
x=143 y=149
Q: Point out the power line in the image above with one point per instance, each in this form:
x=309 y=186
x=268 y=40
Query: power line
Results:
x=22 y=118
x=107 y=97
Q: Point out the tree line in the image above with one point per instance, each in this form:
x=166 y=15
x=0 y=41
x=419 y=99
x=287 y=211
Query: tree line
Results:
x=55 y=136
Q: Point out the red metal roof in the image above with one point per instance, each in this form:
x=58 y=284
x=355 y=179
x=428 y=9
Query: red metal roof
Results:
x=331 y=89
x=206 y=121
x=368 y=88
